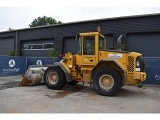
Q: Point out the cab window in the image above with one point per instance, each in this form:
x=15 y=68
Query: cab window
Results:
x=102 y=43
x=89 y=45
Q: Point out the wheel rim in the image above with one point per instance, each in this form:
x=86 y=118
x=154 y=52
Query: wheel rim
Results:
x=52 y=78
x=106 y=82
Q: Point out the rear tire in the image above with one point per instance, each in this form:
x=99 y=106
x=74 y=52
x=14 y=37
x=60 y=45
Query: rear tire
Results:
x=54 y=78
x=107 y=81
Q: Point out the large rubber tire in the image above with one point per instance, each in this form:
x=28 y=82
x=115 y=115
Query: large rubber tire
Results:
x=107 y=81
x=73 y=82
x=54 y=78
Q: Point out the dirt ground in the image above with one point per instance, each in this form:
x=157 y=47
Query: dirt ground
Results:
x=75 y=99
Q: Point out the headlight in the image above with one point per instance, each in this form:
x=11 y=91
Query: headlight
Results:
x=140 y=63
x=137 y=63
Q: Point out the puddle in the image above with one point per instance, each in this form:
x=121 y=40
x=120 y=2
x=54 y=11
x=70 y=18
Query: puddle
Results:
x=58 y=95
x=10 y=84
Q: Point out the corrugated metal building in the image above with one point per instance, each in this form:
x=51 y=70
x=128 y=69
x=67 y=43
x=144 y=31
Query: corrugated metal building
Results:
x=141 y=33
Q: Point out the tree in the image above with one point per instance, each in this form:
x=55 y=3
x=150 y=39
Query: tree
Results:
x=40 y=21
x=10 y=29
x=12 y=53
x=53 y=53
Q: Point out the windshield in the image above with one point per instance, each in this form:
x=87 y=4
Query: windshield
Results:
x=102 y=43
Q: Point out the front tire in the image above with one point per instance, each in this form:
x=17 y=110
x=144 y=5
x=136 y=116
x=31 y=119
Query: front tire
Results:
x=54 y=78
x=107 y=81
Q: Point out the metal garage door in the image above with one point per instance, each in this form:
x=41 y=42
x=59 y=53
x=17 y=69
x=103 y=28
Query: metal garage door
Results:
x=70 y=45
x=148 y=44
x=7 y=44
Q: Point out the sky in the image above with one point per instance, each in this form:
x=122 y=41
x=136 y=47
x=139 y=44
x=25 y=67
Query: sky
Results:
x=19 y=14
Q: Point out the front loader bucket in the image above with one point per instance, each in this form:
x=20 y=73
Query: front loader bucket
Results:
x=33 y=76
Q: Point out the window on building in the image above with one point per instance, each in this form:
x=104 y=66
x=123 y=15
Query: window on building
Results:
x=48 y=46
x=24 y=47
x=37 y=46
x=27 y=46
x=42 y=46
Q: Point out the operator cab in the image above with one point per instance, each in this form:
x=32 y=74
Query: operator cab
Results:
x=88 y=43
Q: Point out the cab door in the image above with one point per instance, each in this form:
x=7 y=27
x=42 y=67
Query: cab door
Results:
x=88 y=54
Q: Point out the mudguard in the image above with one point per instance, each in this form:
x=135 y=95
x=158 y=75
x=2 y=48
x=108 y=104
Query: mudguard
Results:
x=64 y=68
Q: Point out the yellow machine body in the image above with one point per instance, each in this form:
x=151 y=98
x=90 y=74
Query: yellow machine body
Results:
x=83 y=65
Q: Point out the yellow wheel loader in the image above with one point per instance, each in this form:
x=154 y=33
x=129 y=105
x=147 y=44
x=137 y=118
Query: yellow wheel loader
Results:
x=107 y=70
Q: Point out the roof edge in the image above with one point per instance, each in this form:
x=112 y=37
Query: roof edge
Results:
x=85 y=21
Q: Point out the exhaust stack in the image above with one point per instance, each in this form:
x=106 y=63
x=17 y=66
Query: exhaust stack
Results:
x=119 y=43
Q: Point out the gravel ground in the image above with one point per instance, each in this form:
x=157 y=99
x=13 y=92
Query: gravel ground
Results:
x=75 y=99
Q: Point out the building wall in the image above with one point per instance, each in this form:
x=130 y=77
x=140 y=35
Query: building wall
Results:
x=138 y=33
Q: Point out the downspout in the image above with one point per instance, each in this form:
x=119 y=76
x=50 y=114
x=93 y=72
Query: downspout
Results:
x=16 y=44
